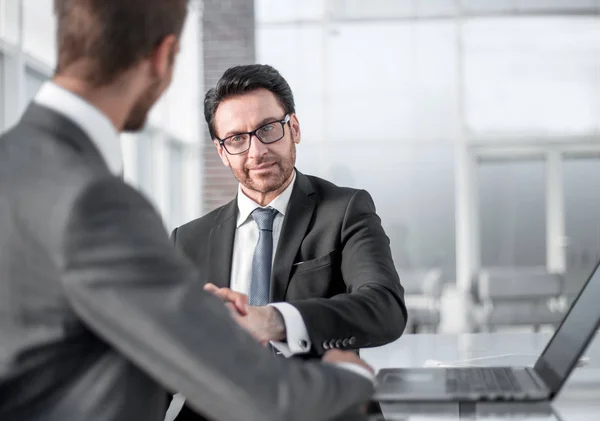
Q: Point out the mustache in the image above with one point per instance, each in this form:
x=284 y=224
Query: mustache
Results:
x=266 y=161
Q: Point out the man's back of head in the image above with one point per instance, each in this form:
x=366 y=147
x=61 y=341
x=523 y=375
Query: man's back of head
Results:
x=118 y=54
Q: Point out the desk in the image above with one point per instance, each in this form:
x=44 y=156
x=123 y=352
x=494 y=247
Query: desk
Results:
x=578 y=401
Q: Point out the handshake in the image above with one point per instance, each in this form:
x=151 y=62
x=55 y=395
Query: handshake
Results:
x=266 y=324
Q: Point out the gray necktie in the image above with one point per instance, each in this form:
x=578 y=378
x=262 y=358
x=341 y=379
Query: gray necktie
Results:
x=260 y=280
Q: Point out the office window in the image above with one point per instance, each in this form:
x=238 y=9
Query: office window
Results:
x=2 y=93
x=10 y=28
x=145 y=162
x=33 y=82
x=413 y=190
x=582 y=212
x=512 y=212
x=38 y=32
x=176 y=164
x=516 y=68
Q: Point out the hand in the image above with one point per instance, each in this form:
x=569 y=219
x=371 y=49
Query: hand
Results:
x=338 y=356
x=264 y=323
x=239 y=300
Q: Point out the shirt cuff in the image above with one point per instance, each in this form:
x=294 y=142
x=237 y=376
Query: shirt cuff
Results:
x=297 y=339
x=357 y=369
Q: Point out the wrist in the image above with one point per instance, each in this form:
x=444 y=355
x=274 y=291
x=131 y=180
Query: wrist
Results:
x=277 y=324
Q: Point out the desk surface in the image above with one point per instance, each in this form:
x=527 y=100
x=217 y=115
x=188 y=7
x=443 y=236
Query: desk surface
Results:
x=579 y=400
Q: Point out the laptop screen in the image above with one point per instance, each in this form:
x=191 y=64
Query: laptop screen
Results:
x=572 y=336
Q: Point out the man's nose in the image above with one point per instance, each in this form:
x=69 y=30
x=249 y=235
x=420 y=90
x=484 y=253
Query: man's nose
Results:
x=257 y=148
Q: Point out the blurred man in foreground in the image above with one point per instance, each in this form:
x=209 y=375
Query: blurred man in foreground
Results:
x=99 y=315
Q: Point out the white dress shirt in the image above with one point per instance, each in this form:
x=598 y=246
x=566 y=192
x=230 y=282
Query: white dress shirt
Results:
x=90 y=119
x=246 y=237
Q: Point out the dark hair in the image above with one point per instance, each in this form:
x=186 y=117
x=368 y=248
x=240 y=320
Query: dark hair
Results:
x=113 y=35
x=239 y=80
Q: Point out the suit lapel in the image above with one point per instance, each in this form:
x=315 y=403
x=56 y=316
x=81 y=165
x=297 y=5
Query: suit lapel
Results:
x=297 y=219
x=220 y=251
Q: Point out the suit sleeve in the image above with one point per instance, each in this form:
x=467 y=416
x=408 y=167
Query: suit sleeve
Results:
x=127 y=283
x=372 y=312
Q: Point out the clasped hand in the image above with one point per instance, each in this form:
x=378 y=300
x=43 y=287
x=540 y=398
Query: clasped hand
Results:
x=264 y=323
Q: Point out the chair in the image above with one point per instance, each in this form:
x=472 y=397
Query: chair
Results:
x=422 y=293
x=517 y=297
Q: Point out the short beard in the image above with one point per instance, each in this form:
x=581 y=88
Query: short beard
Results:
x=286 y=167
x=136 y=120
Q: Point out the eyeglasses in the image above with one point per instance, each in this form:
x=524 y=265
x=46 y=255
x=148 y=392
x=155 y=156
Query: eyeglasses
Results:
x=267 y=134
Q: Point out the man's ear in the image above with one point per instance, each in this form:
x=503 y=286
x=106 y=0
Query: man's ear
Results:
x=295 y=128
x=163 y=57
x=222 y=153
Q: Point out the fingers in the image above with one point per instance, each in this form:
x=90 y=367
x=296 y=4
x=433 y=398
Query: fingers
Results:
x=242 y=305
x=228 y=295
x=224 y=293
x=210 y=288
x=334 y=353
x=239 y=300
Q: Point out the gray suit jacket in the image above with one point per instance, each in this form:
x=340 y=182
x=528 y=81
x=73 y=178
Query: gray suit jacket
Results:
x=99 y=314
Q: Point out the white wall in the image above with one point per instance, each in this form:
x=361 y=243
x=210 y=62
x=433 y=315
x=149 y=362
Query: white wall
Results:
x=171 y=159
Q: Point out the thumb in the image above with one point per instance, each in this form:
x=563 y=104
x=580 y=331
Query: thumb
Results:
x=210 y=287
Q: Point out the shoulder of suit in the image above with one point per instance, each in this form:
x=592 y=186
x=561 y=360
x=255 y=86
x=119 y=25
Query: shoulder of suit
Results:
x=40 y=154
x=49 y=171
x=203 y=223
x=327 y=188
x=49 y=182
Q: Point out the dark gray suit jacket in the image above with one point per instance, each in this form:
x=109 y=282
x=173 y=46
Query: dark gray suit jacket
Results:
x=333 y=263
x=99 y=315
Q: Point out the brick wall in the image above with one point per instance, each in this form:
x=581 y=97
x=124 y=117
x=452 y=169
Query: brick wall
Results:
x=228 y=40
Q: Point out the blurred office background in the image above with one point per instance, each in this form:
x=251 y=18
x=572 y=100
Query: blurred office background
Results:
x=475 y=125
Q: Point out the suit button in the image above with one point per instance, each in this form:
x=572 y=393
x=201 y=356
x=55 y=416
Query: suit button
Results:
x=338 y=343
x=325 y=345
x=332 y=343
x=352 y=340
x=345 y=342
x=303 y=344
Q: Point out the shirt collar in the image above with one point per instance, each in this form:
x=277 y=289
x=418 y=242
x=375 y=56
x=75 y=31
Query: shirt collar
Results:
x=246 y=205
x=93 y=122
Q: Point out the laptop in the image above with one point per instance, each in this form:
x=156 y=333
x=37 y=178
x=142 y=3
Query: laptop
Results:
x=542 y=382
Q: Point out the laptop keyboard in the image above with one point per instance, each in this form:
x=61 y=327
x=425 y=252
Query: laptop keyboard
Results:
x=482 y=379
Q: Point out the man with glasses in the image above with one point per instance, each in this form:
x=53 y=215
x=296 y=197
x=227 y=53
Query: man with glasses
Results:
x=305 y=265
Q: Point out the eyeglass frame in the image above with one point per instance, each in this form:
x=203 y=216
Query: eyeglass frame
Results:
x=286 y=120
